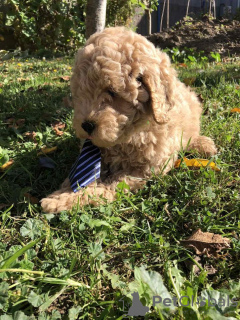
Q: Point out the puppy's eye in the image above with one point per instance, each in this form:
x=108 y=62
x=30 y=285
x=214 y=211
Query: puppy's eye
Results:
x=111 y=93
x=139 y=78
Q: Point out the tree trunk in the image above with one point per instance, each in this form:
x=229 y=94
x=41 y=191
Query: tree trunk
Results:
x=95 y=16
x=168 y=14
x=163 y=9
x=149 y=19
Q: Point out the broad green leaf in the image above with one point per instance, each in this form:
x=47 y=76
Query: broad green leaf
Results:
x=95 y=251
x=4 y=158
x=98 y=223
x=56 y=315
x=150 y=284
x=35 y=299
x=220 y=301
x=32 y=228
x=19 y=315
x=127 y=226
x=74 y=312
x=6 y=317
x=122 y=185
x=3 y=294
x=213 y=314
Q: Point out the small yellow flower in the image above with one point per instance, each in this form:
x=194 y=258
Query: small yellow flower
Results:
x=54 y=70
x=19 y=64
x=69 y=68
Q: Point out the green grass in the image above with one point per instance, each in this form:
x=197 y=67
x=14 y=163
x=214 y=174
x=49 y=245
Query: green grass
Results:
x=80 y=264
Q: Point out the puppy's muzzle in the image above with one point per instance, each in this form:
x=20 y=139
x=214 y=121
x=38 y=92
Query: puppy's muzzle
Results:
x=88 y=126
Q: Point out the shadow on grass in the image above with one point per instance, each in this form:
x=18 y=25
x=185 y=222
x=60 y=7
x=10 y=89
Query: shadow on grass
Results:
x=34 y=110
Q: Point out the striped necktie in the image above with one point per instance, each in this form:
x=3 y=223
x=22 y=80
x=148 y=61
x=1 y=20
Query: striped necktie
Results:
x=86 y=168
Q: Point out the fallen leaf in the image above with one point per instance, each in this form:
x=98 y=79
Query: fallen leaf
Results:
x=23 y=79
x=235 y=110
x=13 y=123
x=196 y=163
x=6 y=165
x=32 y=200
x=182 y=65
x=189 y=81
x=31 y=135
x=46 y=150
x=57 y=126
x=65 y=78
x=206 y=243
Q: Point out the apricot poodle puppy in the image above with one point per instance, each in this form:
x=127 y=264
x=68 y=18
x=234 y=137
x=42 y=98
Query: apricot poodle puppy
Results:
x=128 y=100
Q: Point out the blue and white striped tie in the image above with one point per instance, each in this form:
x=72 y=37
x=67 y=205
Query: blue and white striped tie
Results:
x=86 y=168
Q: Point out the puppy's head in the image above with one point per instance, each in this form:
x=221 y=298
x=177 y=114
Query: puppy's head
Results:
x=119 y=86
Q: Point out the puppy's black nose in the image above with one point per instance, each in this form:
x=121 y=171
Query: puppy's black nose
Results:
x=88 y=126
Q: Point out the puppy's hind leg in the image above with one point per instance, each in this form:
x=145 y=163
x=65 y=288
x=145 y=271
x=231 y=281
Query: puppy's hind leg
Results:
x=204 y=145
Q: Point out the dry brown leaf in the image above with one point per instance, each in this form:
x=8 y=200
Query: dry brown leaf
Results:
x=206 y=243
x=32 y=200
x=31 y=135
x=57 y=126
x=46 y=150
x=23 y=79
x=13 y=123
x=235 y=110
x=182 y=65
x=6 y=165
x=65 y=78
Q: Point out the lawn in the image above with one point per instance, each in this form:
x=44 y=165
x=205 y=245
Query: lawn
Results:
x=84 y=264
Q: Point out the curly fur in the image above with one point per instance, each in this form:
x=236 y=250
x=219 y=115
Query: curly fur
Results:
x=143 y=114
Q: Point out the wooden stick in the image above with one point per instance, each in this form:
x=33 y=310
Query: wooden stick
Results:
x=187 y=8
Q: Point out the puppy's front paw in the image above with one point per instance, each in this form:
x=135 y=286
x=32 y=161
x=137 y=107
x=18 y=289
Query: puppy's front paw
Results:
x=49 y=205
x=58 y=203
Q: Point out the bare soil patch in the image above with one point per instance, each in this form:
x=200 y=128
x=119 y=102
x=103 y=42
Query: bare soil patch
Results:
x=208 y=35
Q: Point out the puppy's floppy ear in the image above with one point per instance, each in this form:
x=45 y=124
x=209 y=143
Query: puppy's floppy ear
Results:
x=159 y=79
x=158 y=97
